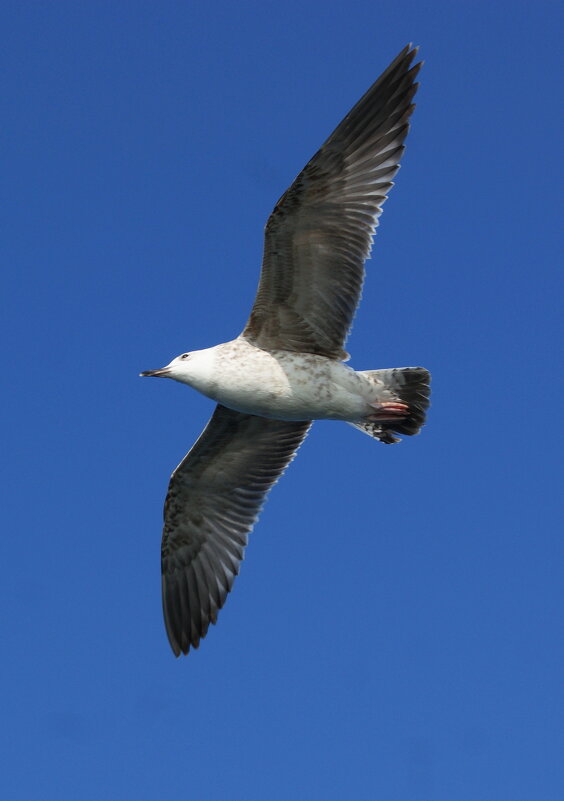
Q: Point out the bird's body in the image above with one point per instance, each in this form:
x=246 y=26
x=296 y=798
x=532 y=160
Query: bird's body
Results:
x=286 y=367
x=279 y=384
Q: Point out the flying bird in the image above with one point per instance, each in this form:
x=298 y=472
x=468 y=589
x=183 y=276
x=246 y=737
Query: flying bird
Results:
x=287 y=368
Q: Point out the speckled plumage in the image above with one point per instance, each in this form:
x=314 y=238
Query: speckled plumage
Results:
x=286 y=368
x=286 y=385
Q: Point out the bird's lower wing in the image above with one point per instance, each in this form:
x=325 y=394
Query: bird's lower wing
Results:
x=214 y=498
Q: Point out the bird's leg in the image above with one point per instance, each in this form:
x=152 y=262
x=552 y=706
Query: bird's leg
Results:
x=388 y=411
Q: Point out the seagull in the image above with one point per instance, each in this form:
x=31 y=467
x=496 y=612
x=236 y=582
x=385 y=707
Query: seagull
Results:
x=287 y=367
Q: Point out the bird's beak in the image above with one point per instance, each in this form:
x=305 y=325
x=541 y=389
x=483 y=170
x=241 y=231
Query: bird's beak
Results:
x=163 y=371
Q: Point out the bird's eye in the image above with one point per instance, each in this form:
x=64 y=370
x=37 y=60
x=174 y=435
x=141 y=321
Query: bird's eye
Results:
x=185 y=356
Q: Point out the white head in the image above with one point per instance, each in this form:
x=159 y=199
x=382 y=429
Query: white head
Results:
x=194 y=368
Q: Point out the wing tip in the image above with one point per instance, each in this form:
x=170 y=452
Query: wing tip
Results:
x=407 y=57
x=182 y=631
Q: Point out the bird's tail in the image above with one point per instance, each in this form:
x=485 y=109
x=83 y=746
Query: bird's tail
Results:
x=409 y=385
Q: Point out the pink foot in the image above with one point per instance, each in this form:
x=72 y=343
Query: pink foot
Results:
x=391 y=410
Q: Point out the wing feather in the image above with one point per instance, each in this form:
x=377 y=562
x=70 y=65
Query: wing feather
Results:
x=320 y=232
x=214 y=498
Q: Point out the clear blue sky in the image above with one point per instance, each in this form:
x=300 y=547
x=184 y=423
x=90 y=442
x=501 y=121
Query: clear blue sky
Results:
x=395 y=632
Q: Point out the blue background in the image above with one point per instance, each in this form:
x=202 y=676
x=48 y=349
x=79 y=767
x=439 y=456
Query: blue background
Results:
x=395 y=632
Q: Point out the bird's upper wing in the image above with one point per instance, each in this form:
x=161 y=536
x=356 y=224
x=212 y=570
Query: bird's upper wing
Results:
x=320 y=232
x=213 y=500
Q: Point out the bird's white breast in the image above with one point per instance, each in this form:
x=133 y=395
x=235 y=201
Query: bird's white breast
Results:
x=279 y=384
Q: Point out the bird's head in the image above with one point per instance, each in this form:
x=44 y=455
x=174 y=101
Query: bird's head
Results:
x=192 y=368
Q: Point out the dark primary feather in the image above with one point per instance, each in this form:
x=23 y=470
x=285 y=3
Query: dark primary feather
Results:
x=320 y=232
x=213 y=500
